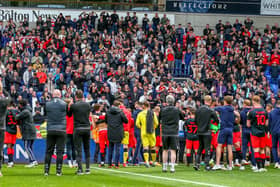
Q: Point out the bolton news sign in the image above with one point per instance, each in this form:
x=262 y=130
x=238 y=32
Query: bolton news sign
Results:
x=32 y=14
x=215 y=6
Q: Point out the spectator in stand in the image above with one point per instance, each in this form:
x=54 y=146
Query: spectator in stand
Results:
x=34 y=82
x=248 y=22
x=178 y=60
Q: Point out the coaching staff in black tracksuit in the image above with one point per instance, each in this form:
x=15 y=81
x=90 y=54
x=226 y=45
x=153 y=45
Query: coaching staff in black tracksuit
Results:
x=203 y=118
x=56 y=110
x=81 y=111
x=170 y=116
x=4 y=102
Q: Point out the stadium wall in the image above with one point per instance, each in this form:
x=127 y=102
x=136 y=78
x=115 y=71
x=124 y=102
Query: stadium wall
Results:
x=199 y=21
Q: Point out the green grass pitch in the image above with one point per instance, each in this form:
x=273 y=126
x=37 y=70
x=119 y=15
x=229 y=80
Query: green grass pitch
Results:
x=137 y=176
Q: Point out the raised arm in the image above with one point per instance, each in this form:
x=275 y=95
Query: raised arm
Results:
x=124 y=118
x=5 y=94
x=138 y=121
x=156 y=123
x=21 y=115
x=214 y=116
x=69 y=110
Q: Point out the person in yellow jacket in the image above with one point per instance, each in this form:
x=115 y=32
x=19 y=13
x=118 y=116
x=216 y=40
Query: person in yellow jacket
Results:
x=147 y=121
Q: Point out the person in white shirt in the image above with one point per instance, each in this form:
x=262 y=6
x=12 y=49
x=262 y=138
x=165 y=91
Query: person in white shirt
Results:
x=113 y=85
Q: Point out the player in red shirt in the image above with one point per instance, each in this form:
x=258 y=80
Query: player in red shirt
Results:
x=192 y=141
x=132 y=140
x=11 y=132
x=158 y=137
x=257 y=119
x=71 y=154
x=237 y=139
x=215 y=126
x=103 y=137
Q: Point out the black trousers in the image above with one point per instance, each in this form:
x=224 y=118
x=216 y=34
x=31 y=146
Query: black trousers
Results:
x=2 y=134
x=55 y=141
x=71 y=155
x=114 y=146
x=204 y=143
x=82 y=139
x=96 y=153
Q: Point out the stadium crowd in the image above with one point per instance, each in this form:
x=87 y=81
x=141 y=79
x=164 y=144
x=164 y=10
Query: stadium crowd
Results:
x=109 y=57
x=133 y=61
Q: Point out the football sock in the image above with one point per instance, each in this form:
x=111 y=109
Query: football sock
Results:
x=239 y=154
x=250 y=157
x=10 y=158
x=125 y=155
x=164 y=166
x=262 y=156
x=146 y=155
x=234 y=155
x=154 y=155
x=222 y=158
x=157 y=153
x=259 y=163
x=189 y=160
x=258 y=159
x=10 y=152
x=211 y=152
x=214 y=154
x=102 y=157
x=160 y=154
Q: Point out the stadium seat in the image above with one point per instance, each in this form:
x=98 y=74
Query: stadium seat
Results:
x=39 y=95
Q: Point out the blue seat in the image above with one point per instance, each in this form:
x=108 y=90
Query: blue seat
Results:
x=274 y=88
x=39 y=95
x=85 y=94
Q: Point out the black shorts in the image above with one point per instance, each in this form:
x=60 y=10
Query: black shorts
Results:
x=170 y=142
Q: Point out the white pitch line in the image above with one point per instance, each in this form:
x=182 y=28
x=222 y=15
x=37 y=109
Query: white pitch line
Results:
x=160 y=178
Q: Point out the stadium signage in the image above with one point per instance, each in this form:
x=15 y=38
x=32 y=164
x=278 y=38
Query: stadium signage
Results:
x=214 y=6
x=20 y=15
x=20 y=153
x=6 y=15
x=39 y=149
x=32 y=14
x=270 y=7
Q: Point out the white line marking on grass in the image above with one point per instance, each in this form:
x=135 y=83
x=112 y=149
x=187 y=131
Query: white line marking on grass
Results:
x=160 y=178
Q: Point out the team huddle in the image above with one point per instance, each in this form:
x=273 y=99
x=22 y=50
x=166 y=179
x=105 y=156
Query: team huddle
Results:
x=208 y=131
x=147 y=134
